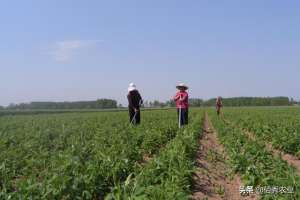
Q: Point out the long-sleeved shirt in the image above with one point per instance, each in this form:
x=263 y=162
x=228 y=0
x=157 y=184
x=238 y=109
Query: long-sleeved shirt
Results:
x=219 y=103
x=182 y=99
x=134 y=99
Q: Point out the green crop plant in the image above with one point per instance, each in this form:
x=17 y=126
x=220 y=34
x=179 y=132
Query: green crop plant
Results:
x=76 y=155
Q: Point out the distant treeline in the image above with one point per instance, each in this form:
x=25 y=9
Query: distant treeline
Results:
x=234 y=101
x=111 y=104
x=193 y=102
x=252 y=101
x=98 y=104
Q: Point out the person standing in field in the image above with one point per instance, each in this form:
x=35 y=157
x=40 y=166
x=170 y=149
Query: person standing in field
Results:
x=219 y=105
x=134 y=103
x=182 y=104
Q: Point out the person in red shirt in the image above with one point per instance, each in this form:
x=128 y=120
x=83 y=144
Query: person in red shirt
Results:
x=219 y=105
x=182 y=104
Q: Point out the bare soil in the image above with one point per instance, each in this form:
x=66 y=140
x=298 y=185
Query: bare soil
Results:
x=213 y=179
x=147 y=158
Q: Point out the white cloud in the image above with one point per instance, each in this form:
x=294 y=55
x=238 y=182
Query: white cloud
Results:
x=63 y=51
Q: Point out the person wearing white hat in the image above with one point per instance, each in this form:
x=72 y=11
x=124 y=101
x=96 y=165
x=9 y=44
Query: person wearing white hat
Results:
x=134 y=102
x=182 y=104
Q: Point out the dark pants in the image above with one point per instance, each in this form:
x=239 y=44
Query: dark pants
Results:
x=184 y=118
x=218 y=110
x=135 y=118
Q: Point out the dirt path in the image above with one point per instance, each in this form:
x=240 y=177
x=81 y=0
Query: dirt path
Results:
x=213 y=179
x=291 y=159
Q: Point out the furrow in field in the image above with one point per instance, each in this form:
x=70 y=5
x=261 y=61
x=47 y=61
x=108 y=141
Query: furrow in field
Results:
x=258 y=167
x=213 y=179
x=289 y=158
x=280 y=126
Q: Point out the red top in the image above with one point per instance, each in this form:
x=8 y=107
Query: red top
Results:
x=182 y=99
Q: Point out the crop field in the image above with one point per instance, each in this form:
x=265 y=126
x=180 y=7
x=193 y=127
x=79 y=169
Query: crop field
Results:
x=250 y=156
x=99 y=155
x=279 y=126
x=89 y=155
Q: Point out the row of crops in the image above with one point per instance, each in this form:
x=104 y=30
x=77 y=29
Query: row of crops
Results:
x=251 y=159
x=95 y=155
x=169 y=174
x=280 y=126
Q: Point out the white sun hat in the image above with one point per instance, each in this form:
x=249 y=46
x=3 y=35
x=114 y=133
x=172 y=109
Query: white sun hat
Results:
x=131 y=87
x=182 y=86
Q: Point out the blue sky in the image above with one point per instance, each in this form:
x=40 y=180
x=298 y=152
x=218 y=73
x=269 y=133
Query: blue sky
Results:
x=56 y=50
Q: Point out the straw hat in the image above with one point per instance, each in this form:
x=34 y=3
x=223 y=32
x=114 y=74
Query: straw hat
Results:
x=131 y=87
x=182 y=86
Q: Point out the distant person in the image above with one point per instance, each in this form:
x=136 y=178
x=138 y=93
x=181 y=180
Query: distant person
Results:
x=134 y=103
x=182 y=104
x=219 y=105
